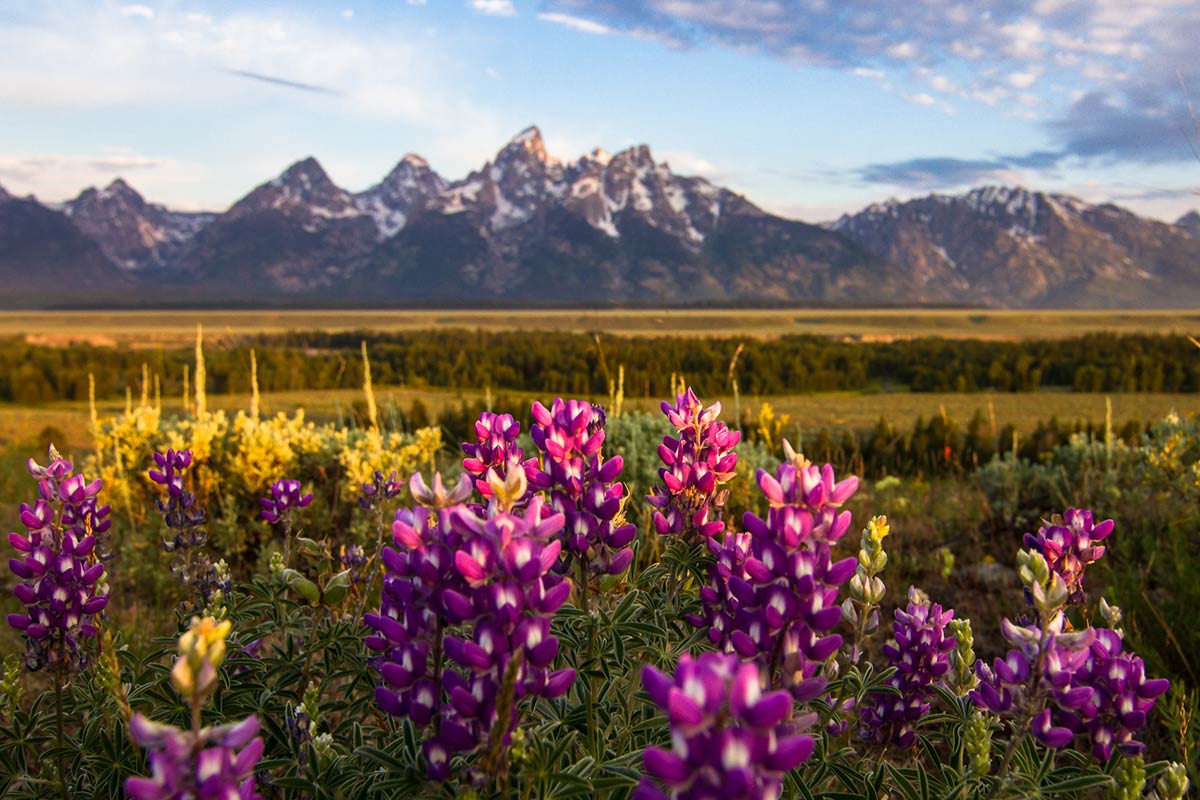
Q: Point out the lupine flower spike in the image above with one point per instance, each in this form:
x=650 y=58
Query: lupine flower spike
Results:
x=921 y=656
x=697 y=462
x=60 y=579
x=584 y=484
x=730 y=739
x=773 y=594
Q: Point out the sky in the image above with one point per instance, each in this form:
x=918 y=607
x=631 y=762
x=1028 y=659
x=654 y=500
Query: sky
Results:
x=810 y=108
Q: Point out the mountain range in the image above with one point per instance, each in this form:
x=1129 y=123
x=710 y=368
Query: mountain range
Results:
x=528 y=229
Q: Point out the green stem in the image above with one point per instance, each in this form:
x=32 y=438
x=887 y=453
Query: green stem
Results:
x=309 y=647
x=58 y=724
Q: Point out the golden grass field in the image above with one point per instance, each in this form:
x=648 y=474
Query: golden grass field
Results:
x=835 y=410
x=165 y=328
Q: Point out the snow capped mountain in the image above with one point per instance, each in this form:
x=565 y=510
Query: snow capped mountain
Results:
x=133 y=234
x=402 y=192
x=527 y=227
x=1009 y=246
x=303 y=191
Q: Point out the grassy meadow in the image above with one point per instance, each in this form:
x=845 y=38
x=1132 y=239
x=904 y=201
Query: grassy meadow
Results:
x=169 y=328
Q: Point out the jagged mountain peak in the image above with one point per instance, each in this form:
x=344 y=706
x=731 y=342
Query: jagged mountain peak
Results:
x=4 y=195
x=526 y=145
x=306 y=172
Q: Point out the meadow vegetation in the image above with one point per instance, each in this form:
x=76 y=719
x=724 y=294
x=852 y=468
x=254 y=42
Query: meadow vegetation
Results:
x=274 y=521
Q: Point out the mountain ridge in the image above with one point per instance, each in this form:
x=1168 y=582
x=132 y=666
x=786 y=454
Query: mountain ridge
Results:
x=527 y=228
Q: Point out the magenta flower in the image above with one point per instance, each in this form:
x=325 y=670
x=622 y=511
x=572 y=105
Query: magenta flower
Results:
x=491 y=576
x=730 y=740
x=495 y=450
x=216 y=763
x=697 y=463
x=583 y=484
x=921 y=656
x=773 y=591
x=284 y=499
x=60 y=577
x=1069 y=545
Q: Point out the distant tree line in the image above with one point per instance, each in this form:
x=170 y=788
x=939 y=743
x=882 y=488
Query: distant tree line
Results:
x=581 y=364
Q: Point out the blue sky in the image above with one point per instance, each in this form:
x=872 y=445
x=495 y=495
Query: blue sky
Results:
x=809 y=107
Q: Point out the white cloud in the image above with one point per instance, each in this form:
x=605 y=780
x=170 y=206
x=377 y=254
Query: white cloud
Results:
x=685 y=163
x=495 y=8
x=920 y=98
x=864 y=72
x=904 y=50
x=347 y=13
x=1024 y=79
x=145 y=12
x=55 y=176
x=575 y=23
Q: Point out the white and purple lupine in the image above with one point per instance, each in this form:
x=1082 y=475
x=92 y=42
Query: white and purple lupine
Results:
x=773 y=595
x=422 y=594
x=379 y=490
x=697 y=462
x=729 y=738
x=186 y=533
x=511 y=596
x=60 y=577
x=216 y=762
x=1067 y=683
x=1069 y=545
x=495 y=450
x=490 y=574
x=921 y=656
x=583 y=484
x=1099 y=692
x=283 y=501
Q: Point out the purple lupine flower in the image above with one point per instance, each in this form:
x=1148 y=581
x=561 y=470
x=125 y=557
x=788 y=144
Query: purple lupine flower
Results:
x=1068 y=544
x=60 y=577
x=511 y=595
x=354 y=558
x=697 y=462
x=730 y=740
x=495 y=450
x=584 y=485
x=186 y=534
x=216 y=762
x=1106 y=698
x=921 y=656
x=773 y=593
x=285 y=497
x=379 y=490
x=422 y=594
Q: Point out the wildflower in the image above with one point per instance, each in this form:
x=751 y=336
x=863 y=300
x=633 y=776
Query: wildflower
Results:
x=285 y=498
x=730 y=739
x=186 y=532
x=216 y=762
x=379 y=489
x=1068 y=544
x=921 y=656
x=584 y=485
x=773 y=591
x=697 y=462
x=60 y=577
x=495 y=452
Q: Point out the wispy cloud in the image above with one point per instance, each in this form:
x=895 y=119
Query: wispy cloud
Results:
x=56 y=175
x=575 y=23
x=289 y=84
x=495 y=8
x=1121 y=53
x=145 y=12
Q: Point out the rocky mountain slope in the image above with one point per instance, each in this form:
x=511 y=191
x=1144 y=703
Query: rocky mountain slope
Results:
x=527 y=228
